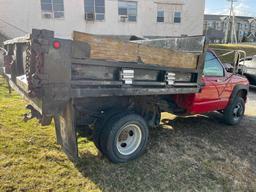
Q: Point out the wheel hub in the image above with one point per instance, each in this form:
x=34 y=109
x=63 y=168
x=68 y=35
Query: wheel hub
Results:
x=238 y=111
x=128 y=139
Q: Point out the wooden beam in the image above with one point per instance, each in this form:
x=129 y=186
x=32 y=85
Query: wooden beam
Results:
x=108 y=48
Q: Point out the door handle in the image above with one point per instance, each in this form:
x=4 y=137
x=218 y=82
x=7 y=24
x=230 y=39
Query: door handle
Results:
x=219 y=80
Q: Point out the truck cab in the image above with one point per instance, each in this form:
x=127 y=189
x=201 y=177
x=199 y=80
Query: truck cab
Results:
x=221 y=91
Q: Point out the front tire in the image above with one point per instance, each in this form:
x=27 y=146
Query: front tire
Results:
x=125 y=137
x=234 y=113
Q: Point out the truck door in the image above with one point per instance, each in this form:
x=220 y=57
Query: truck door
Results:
x=210 y=97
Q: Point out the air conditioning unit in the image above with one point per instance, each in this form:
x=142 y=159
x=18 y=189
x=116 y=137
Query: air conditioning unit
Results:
x=89 y=16
x=123 y=18
x=46 y=15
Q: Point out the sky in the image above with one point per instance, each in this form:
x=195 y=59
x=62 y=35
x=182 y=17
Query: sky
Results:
x=242 y=7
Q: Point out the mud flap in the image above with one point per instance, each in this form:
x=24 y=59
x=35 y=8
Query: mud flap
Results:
x=66 y=132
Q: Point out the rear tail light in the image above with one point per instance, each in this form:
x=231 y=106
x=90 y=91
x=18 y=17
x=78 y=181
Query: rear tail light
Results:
x=56 y=45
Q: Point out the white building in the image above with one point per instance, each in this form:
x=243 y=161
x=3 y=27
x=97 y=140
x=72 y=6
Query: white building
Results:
x=215 y=27
x=108 y=17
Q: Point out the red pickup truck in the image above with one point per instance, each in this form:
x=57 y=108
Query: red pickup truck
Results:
x=118 y=100
x=222 y=91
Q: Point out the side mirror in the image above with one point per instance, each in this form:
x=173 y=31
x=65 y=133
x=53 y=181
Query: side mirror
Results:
x=229 y=68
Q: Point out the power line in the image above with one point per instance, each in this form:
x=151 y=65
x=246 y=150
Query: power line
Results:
x=13 y=26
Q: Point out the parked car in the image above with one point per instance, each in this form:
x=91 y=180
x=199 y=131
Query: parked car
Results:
x=249 y=69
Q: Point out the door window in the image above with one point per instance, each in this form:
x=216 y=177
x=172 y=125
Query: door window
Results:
x=212 y=66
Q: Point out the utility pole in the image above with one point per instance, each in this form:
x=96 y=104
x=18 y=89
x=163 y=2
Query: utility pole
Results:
x=233 y=37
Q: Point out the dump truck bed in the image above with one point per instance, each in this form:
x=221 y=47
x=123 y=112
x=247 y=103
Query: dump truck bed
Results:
x=78 y=82
x=50 y=71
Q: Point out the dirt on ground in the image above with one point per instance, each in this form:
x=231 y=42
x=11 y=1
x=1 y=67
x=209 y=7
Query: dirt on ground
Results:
x=196 y=153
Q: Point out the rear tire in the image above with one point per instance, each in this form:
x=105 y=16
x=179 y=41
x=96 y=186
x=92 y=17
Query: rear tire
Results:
x=234 y=113
x=101 y=124
x=124 y=138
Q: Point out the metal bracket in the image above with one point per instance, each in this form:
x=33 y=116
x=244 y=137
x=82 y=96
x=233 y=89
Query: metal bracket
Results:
x=170 y=78
x=127 y=76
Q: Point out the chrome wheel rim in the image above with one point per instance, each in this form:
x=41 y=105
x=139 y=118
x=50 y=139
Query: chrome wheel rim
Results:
x=128 y=139
x=238 y=111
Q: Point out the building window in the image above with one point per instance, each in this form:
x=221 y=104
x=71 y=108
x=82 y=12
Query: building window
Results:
x=52 y=9
x=168 y=13
x=127 y=10
x=177 y=17
x=160 y=16
x=94 y=9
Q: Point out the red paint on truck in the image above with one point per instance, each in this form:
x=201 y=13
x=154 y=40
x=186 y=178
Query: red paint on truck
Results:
x=216 y=92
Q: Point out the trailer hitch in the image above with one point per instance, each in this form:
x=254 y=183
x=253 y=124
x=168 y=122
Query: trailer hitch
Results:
x=43 y=119
x=32 y=114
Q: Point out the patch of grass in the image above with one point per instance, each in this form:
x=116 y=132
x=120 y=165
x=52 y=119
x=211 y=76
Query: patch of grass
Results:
x=249 y=49
x=197 y=153
x=30 y=160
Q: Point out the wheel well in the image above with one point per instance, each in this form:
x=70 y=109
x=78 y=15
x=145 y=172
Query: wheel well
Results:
x=148 y=108
x=242 y=93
